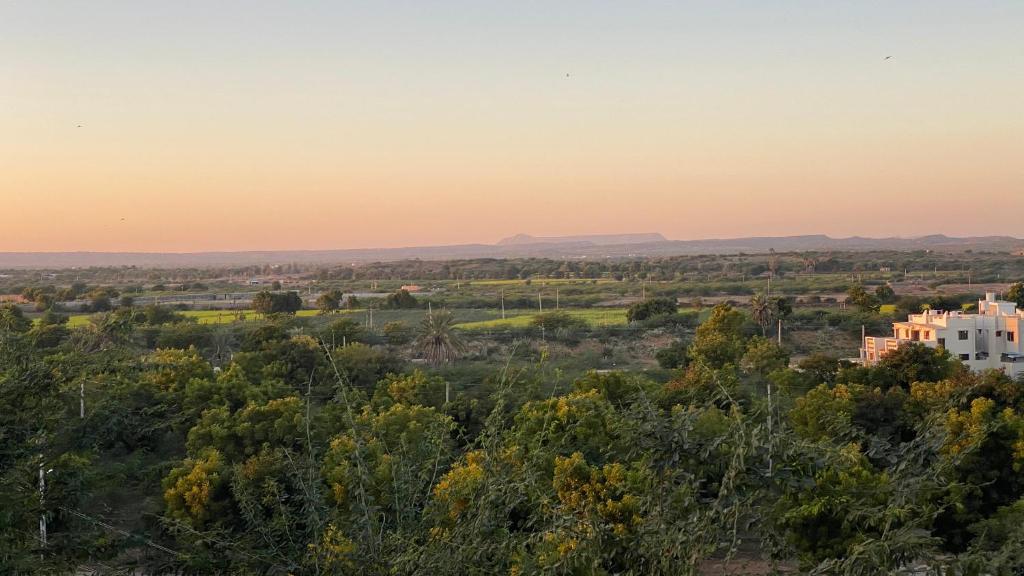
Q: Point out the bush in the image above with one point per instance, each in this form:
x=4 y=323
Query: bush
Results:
x=672 y=356
x=400 y=299
x=558 y=320
x=650 y=308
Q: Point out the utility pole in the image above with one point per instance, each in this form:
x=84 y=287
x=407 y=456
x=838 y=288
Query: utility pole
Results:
x=780 y=331
x=42 y=504
x=540 y=303
x=502 y=304
x=643 y=289
x=556 y=297
x=770 y=435
x=447 y=391
x=81 y=400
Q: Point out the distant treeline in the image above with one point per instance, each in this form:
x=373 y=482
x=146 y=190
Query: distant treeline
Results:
x=972 y=266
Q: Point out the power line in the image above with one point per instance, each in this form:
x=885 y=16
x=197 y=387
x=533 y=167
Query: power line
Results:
x=113 y=528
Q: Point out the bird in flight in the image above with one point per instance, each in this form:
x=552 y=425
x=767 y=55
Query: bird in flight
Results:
x=79 y=125
x=887 y=57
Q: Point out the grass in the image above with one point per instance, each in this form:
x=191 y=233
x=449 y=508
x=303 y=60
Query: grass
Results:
x=77 y=320
x=543 y=281
x=201 y=316
x=521 y=319
x=380 y=317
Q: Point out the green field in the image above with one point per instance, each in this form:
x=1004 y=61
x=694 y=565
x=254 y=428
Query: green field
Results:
x=201 y=316
x=467 y=319
x=542 y=282
x=592 y=316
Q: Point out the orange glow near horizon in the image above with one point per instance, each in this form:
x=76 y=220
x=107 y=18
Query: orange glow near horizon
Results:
x=423 y=130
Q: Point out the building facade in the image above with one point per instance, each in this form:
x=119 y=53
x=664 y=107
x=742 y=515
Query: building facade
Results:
x=989 y=339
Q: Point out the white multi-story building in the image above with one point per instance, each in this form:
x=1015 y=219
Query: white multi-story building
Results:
x=989 y=339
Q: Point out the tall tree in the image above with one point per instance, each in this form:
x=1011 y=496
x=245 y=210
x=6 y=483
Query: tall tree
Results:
x=762 y=311
x=1016 y=294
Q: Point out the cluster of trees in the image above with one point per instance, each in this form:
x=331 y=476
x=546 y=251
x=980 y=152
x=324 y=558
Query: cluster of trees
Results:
x=650 y=308
x=315 y=453
x=983 y=266
x=872 y=300
x=267 y=302
x=47 y=297
x=399 y=299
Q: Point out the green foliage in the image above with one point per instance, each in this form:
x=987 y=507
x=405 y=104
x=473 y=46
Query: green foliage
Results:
x=885 y=294
x=558 y=320
x=415 y=389
x=764 y=356
x=915 y=363
x=1016 y=294
x=302 y=456
x=860 y=298
x=363 y=366
x=343 y=331
x=329 y=301
x=672 y=356
x=12 y=319
x=267 y=302
x=437 y=339
x=825 y=520
x=650 y=308
x=397 y=333
x=155 y=315
x=821 y=368
x=400 y=299
x=720 y=339
x=619 y=388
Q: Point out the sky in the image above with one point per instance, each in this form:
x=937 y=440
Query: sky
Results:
x=196 y=125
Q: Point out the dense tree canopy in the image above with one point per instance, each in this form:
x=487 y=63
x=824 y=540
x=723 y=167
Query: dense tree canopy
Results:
x=283 y=447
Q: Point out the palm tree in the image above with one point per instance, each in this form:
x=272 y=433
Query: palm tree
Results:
x=438 y=340
x=762 y=311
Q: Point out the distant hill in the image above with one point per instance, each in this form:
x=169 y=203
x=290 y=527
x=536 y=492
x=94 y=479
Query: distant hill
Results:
x=595 y=239
x=521 y=246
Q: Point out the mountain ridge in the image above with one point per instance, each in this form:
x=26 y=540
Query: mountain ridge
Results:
x=595 y=239
x=566 y=247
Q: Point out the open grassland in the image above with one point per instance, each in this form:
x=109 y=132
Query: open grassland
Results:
x=521 y=319
x=468 y=319
x=543 y=282
x=203 y=316
x=380 y=317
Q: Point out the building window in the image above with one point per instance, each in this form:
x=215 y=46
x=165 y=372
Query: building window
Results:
x=999 y=333
x=942 y=342
x=915 y=335
x=965 y=357
x=962 y=334
x=1010 y=336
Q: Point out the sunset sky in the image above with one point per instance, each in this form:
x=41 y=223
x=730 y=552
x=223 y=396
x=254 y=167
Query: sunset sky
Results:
x=291 y=125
